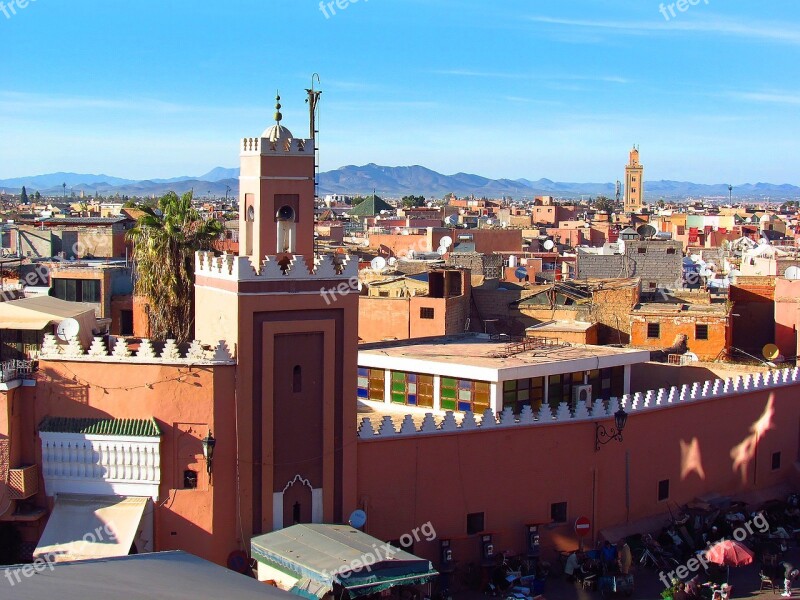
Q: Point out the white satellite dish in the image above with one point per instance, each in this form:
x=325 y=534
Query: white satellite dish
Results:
x=68 y=329
x=549 y=245
x=378 y=264
x=357 y=519
x=792 y=273
x=441 y=251
x=392 y=261
x=489 y=221
x=446 y=241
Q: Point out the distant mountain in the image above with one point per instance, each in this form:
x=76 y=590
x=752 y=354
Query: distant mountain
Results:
x=220 y=173
x=389 y=182
x=53 y=180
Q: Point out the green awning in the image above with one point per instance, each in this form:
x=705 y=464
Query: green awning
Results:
x=324 y=556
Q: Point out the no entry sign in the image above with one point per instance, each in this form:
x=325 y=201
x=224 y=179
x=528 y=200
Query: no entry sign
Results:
x=582 y=526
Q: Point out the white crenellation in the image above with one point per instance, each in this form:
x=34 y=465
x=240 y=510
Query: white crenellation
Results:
x=449 y=422
x=469 y=422
x=387 y=427
x=428 y=424
x=563 y=413
x=98 y=347
x=599 y=409
x=653 y=400
x=196 y=351
x=365 y=430
x=488 y=419
x=74 y=348
x=146 y=350
x=231 y=267
x=582 y=412
x=507 y=417
x=545 y=414
x=97 y=352
x=121 y=349
x=526 y=416
x=407 y=426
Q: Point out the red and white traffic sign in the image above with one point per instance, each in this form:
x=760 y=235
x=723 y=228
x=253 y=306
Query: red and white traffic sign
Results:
x=582 y=526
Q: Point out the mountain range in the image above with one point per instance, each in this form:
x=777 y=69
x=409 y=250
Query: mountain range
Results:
x=386 y=181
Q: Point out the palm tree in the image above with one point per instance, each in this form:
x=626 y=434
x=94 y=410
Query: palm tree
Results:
x=164 y=243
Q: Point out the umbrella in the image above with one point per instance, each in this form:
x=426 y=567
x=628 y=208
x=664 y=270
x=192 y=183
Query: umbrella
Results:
x=729 y=553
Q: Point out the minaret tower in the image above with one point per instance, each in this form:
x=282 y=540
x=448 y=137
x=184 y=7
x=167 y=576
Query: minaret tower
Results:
x=634 y=183
x=291 y=318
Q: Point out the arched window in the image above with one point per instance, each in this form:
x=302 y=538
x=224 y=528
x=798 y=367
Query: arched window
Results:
x=297 y=379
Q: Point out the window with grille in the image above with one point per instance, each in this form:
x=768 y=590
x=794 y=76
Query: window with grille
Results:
x=701 y=332
x=654 y=330
x=426 y=313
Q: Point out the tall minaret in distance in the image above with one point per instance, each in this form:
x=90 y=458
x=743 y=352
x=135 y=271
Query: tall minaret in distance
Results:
x=634 y=183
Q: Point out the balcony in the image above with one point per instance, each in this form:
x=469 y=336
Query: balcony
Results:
x=23 y=482
x=13 y=372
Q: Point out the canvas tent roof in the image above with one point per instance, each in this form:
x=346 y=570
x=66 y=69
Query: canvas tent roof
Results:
x=322 y=555
x=85 y=526
x=172 y=575
x=38 y=312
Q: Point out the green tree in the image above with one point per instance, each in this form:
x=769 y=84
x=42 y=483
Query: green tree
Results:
x=413 y=201
x=604 y=204
x=164 y=243
x=23 y=197
x=37 y=196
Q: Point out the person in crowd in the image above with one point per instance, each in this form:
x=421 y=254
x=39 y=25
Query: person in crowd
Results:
x=680 y=592
x=571 y=566
x=789 y=575
x=624 y=557
x=609 y=555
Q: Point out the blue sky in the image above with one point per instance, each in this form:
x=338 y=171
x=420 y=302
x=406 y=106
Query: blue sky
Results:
x=529 y=88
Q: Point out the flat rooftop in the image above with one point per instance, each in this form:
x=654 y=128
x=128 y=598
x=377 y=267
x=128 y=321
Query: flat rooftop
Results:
x=659 y=308
x=483 y=357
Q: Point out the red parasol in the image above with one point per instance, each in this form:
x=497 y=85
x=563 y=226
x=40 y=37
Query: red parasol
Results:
x=729 y=553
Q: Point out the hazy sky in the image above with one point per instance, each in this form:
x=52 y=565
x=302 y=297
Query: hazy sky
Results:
x=512 y=88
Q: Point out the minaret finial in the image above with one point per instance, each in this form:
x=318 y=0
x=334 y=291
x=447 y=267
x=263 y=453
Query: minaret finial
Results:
x=278 y=115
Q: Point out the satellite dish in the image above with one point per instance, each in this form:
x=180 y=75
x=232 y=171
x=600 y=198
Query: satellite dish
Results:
x=549 y=245
x=646 y=231
x=378 y=264
x=392 y=261
x=792 y=273
x=770 y=352
x=357 y=519
x=521 y=273
x=441 y=251
x=489 y=221
x=68 y=329
x=446 y=241
x=451 y=220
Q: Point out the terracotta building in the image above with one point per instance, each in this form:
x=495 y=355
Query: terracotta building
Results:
x=124 y=428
